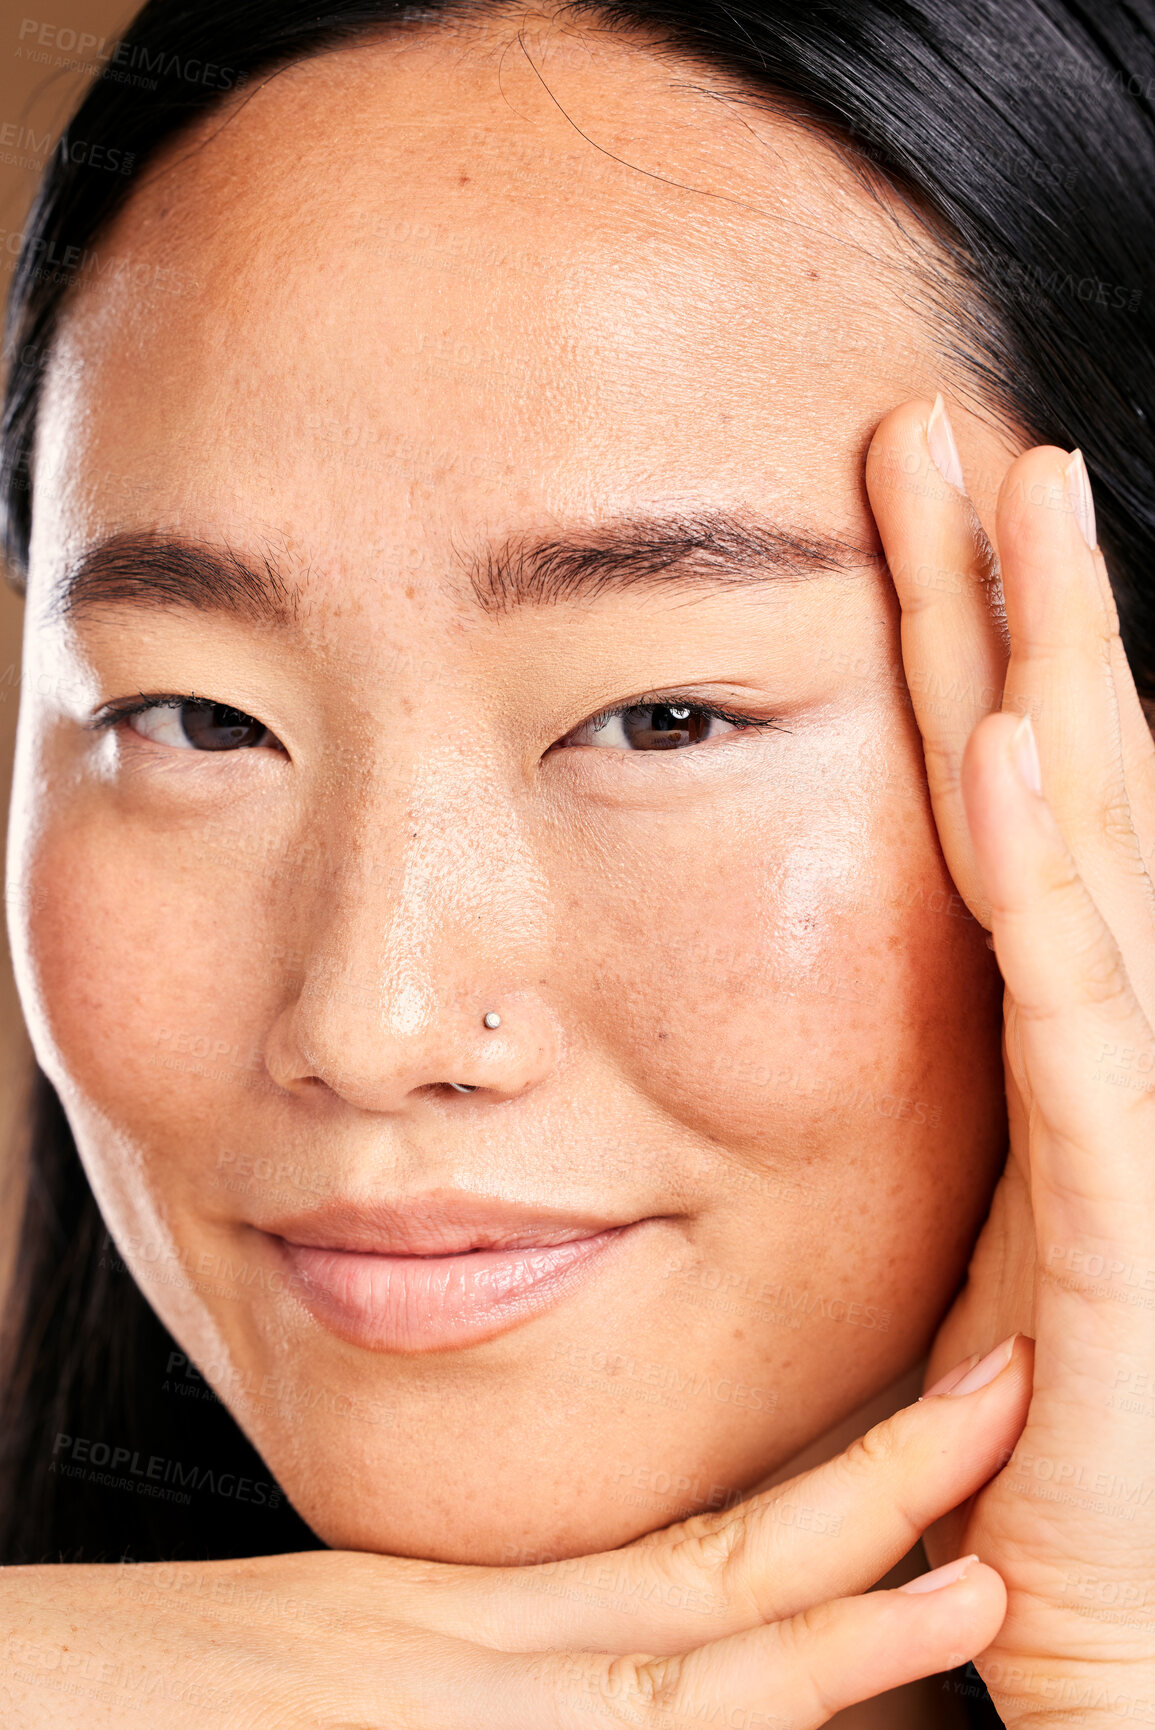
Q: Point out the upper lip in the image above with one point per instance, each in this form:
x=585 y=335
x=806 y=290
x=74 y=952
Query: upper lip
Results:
x=445 y=1224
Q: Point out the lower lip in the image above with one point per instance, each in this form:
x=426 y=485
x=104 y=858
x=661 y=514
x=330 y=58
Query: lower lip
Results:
x=411 y=1303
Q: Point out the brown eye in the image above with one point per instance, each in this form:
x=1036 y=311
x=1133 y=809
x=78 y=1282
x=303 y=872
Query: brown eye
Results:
x=665 y=727
x=651 y=727
x=216 y=727
x=199 y=725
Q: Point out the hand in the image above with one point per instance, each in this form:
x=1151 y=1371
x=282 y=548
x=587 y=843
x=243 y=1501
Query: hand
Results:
x=1062 y=879
x=745 y=1617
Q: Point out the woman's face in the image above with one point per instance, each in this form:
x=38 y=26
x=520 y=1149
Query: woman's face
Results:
x=434 y=399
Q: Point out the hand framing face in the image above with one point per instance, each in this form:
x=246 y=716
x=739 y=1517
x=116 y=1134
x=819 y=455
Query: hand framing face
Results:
x=1046 y=814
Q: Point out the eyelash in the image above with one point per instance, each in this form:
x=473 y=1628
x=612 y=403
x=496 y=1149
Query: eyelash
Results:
x=122 y=711
x=678 y=700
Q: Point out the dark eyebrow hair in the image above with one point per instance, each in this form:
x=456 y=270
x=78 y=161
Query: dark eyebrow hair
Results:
x=159 y=570
x=709 y=548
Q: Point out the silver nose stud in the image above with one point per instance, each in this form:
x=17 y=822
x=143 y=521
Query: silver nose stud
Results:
x=491 y=1020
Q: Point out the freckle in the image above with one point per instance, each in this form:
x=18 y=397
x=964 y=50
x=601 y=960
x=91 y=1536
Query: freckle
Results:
x=663 y=1036
x=813 y=274
x=463 y=180
x=409 y=593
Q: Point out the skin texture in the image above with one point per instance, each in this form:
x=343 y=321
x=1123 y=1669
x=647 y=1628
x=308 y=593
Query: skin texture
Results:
x=738 y=999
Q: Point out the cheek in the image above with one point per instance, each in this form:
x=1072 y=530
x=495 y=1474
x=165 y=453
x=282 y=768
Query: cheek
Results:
x=143 y=978
x=798 y=975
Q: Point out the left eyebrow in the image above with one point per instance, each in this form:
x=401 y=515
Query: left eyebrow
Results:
x=154 y=570
x=706 y=547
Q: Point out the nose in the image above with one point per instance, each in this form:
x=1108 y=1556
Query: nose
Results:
x=423 y=949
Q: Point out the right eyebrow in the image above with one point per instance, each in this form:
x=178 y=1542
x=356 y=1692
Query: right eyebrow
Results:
x=165 y=571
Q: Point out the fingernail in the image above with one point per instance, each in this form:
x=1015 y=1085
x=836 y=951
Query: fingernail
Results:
x=986 y=1369
x=952 y=1376
x=939 y=1577
x=1025 y=755
x=1080 y=497
x=943 y=450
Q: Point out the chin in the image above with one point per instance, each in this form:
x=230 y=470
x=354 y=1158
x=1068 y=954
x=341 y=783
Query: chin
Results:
x=524 y=1538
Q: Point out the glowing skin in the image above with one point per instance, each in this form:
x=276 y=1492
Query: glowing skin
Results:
x=418 y=310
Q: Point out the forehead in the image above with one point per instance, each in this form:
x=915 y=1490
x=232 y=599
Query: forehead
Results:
x=526 y=270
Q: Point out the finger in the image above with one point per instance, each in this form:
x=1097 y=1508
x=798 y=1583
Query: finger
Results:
x=1092 y=1180
x=1071 y=993
x=830 y=1532
x=793 y=1675
x=1138 y=761
x=1068 y=670
x=999 y=1291
x=1135 y=725
x=946 y=577
x=1138 y=747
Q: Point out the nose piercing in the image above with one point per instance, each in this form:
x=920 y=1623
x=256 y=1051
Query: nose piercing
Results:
x=491 y=1019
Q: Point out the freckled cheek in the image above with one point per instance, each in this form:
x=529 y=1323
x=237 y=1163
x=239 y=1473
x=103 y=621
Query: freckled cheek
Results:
x=750 y=977
x=135 y=953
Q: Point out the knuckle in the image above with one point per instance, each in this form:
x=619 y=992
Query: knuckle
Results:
x=816 y=1622
x=801 y=1638
x=1114 y=821
x=799 y=1634
x=874 y=1452
x=1101 y=983
x=1091 y=957
x=1097 y=968
x=886 y=1462
x=640 y=1690
x=943 y=769
x=709 y=1544
x=1061 y=877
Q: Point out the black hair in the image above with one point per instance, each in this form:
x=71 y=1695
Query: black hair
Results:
x=1021 y=132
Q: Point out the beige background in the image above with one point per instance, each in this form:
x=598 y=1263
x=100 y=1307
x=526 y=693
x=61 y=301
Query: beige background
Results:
x=40 y=84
